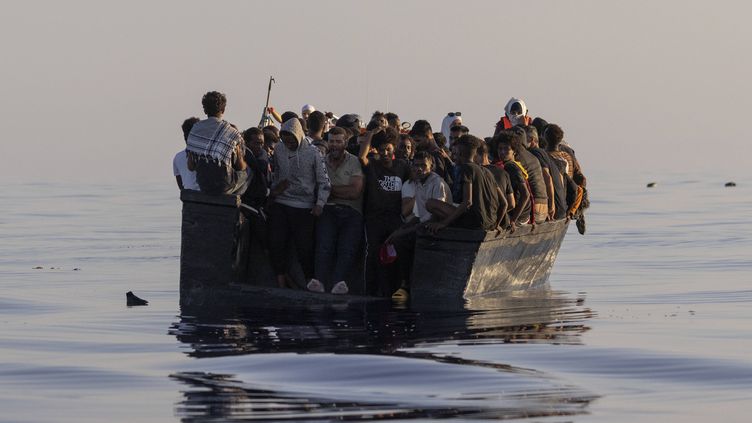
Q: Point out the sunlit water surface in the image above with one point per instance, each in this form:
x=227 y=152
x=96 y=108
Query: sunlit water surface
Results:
x=646 y=318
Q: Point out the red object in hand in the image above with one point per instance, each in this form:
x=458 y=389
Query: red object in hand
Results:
x=387 y=254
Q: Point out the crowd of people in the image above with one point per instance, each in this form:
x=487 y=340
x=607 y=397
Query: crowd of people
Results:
x=331 y=189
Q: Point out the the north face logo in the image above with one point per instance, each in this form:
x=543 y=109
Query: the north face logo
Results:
x=390 y=183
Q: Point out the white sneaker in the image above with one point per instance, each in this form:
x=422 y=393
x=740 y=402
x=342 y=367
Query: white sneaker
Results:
x=340 y=288
x=315 y=286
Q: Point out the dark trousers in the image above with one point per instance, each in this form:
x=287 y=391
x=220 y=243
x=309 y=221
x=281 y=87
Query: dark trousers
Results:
x=381 y=279
x=339 y=232
x=291 y=224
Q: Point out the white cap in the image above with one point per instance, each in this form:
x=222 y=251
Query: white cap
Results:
x=308 y=108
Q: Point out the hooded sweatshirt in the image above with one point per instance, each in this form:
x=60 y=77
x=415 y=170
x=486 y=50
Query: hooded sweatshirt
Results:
x=303 y=168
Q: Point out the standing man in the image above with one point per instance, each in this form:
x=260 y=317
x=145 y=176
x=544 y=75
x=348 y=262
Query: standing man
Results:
x=300 y=188
x=340 y=227
x=384 y=179
x=185 y=177
x=216 y=150
x=422 y=134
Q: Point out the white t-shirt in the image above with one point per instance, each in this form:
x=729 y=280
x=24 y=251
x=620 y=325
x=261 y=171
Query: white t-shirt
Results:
x=180 y=168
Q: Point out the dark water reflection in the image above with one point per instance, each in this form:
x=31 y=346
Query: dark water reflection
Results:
x=369 y=361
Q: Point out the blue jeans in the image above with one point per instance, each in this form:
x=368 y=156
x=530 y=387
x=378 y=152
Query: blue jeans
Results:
x=339 y=232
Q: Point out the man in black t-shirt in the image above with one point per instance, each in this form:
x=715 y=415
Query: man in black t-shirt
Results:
x=557 y=192
x=482 y=205
x=507 y=145
x=383 y=205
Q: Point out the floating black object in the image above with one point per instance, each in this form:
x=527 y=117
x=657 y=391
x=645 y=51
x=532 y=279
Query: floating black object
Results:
x=730 y=184
x=651 y=184
x=132 y=300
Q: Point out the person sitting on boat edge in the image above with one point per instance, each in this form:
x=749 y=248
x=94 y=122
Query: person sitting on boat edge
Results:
x=383 y=195
x=507 y=144
x=557 y=193
x=500 y=176
x=185 y=177
x=481 y=205
x=427 y=185
x=216 y=150
x=339 y=229
x=300 y=187
x=577 y=197
x=536 y=182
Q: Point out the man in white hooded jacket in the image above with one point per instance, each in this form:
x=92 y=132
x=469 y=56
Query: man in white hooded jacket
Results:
x=299 y=190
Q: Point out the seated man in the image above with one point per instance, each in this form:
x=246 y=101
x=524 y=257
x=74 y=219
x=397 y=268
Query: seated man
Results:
x=339 y=230
x=185 y=177
x=426 y=185
x=216 y=150
x=482 y=205
x=507 y=145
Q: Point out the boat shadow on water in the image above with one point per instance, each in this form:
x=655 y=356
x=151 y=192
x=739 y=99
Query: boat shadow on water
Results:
x=365 y=360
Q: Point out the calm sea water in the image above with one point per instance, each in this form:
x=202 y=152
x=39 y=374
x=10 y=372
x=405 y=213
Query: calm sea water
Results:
x=646 y=318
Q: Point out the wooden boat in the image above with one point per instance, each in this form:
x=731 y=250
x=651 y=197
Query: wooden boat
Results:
x=217 y=263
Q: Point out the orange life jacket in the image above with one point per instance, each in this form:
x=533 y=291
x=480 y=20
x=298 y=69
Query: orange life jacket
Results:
x=508 y=124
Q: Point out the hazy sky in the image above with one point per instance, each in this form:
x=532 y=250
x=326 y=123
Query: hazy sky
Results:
x=97 y=90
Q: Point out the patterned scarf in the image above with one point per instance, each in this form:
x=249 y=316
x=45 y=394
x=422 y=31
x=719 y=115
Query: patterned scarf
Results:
x=214 y=139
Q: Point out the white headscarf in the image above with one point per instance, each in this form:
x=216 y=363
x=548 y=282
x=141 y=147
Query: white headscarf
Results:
x=446 y=125
x=508 y=109
x=308 y=108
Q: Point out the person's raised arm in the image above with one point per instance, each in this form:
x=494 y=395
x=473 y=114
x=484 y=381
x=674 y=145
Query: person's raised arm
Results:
x=365 y=144
x=239 y=162
x=274 y=114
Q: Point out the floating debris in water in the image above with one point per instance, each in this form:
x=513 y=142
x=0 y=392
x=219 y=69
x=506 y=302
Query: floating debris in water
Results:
x=730 y=184
x=38 y=267
x=651 y=184
x=132 y=300
x=76 y=268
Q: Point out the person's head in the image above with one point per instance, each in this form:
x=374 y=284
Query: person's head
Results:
x=271 y=128
x=380 y=118
x=316 y=123
x=188 y=125
x=306 y=110
x=270 y=142
x=351 y=122
x=532 y=136
x=516 y=110
x=521 y=134
x=254 y=140
x=507 y=145
x=385 y=143
x=457 y=131
x=422 y=133
x=392 y=120
x=440 y=139
x=214 y=104
x=466 y=148
x=288 y=115
x=481 y=157
x=554 y=135
x=540 y=125
x=337 y=142
x=291 y=134
x=422 y=165
x=405 y=147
